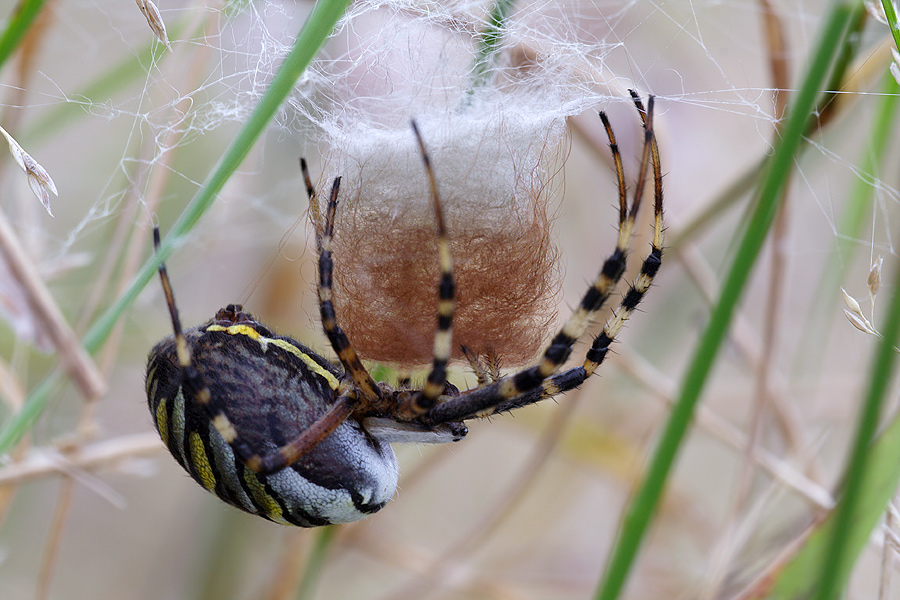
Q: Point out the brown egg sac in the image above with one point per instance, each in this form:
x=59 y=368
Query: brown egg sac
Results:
x=494 y=178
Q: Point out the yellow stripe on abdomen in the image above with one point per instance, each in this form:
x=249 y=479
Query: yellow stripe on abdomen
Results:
x=162 y=424
x=284 y=345
x=200 y=462
x=264 y=501
x=316 y=367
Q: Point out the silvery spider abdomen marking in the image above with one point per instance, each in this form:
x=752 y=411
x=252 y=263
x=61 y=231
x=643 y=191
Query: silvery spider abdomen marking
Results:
x=278 y=388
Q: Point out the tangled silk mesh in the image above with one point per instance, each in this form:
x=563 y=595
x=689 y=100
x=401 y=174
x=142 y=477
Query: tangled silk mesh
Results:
x=495 y=148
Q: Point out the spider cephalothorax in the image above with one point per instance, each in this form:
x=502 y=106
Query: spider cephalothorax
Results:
x=273 y=428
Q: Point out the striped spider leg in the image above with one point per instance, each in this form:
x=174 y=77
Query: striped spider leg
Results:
x=543 y=380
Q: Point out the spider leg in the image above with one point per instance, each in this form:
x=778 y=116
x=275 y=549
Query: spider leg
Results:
x=572 y=378
x=367 y=387
x=481 y=372
x=561 y=346
x=651 y=264
x=437 y=378
x=311 y=194
x=404 y=379
x=552 y=386
x=487 y=370
x=192 y=381
x=540 y=381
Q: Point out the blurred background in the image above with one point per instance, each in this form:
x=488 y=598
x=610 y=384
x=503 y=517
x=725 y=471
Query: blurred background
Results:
x=528 y=506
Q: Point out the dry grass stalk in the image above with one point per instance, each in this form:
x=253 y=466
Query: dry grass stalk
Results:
x=41 y=462
x=45 y=311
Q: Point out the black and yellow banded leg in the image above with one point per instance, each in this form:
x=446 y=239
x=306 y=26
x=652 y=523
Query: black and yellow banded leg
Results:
x=191 y=381
x=651 y=264
x=541 y=381
x=550 y=387
x=336 y=336
x=572 y=378
x=404 y=379
x=366 y=386
x=613 y=267
x=443 y=336
x=192 y=385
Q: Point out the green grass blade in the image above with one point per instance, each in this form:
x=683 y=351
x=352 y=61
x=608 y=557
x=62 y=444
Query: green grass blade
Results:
x=646 y=499
x=734 y=193
x=873 y=474
x=19 y=24
x=307 y=587
x=315 y=31
x=850 y=226
x=721 y=204
x=891 y=15
x=838 y=562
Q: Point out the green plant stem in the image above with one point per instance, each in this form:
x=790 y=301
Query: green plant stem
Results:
x=838 y=561
x=715 y=210
x=315 y=31
x=862 y=194
x=25 y=14
x=646 y=499
x=307 y=587
x=891 y=15
x=850 y=224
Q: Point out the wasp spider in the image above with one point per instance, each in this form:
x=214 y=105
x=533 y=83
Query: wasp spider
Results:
x=271 y=427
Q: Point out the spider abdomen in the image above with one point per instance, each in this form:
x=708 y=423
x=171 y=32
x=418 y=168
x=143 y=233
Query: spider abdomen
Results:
x=271 y=389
